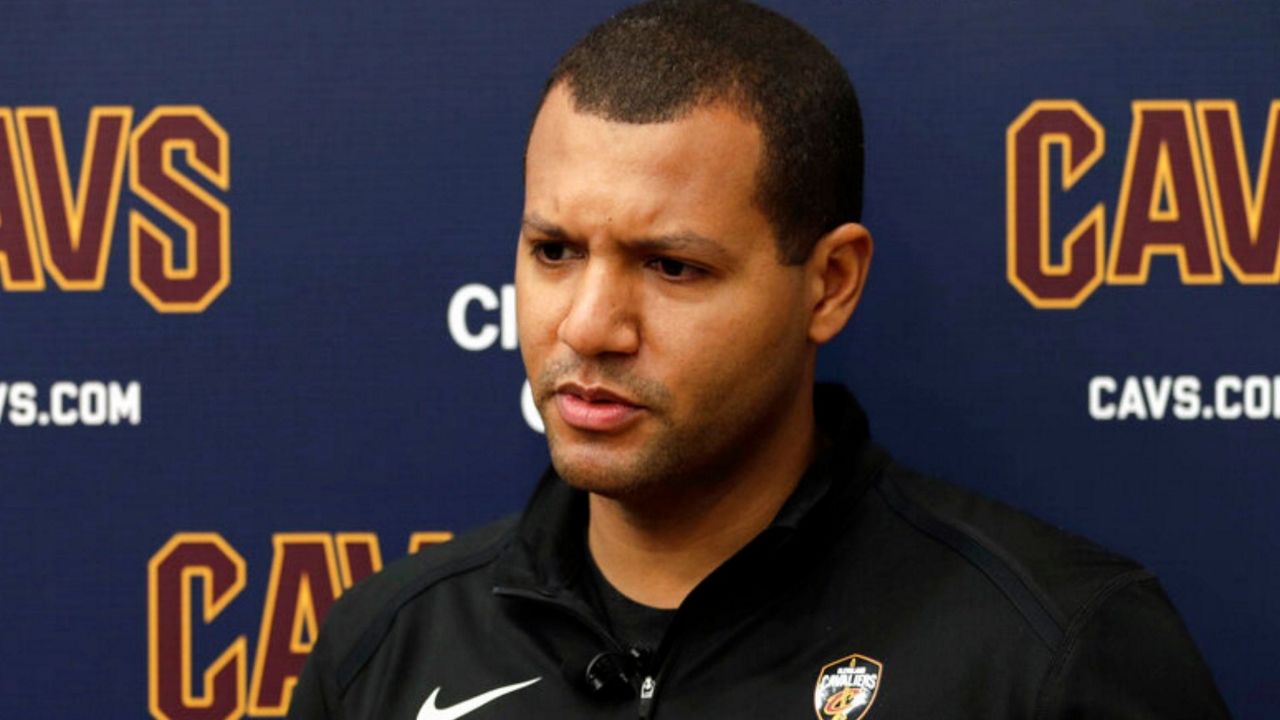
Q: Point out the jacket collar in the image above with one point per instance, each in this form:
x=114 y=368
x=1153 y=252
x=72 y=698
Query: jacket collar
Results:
x=549 y=549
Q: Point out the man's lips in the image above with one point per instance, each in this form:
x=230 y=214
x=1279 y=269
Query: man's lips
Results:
x=594 y=409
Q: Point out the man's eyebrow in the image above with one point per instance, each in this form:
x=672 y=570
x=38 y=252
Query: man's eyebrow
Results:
x=681 y=242
x=672 y=242
x=538 y=224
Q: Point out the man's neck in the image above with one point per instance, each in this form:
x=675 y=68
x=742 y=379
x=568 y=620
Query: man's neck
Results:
x=656 y=549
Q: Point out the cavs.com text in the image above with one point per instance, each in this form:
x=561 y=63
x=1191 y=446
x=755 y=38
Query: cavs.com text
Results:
x=91 y=403
x=1184 y=397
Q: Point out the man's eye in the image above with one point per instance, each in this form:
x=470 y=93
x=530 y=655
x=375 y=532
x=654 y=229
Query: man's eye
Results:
x=552 y=252
x=675 y=269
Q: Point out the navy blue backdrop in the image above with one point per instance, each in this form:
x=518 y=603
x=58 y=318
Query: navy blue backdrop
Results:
x=231 y=384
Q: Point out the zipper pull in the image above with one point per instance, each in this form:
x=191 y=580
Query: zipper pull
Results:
x=647 y=689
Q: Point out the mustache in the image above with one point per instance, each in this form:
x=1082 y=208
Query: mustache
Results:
x=614 y=375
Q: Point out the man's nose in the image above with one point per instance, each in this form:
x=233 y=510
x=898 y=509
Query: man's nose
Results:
x=602 y=318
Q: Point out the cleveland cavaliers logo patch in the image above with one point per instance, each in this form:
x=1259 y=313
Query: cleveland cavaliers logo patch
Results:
x=846 y=688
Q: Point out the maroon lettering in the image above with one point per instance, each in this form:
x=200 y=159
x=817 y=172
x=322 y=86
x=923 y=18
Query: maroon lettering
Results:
x=1163 y=208
x=19 y=269
x=75 y=231
x=171 y=575
x=1248 y=216
x=1044 y=125
x=154 y=269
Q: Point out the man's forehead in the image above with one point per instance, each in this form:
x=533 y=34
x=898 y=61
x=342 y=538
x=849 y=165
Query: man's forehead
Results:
x=727 y=95
x=715 y=112
x=684 y=183
x=714 y=139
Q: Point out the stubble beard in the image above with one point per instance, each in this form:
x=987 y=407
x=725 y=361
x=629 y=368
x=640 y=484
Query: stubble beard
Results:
x=662 y=459
x=671 y=461
x=646 y=471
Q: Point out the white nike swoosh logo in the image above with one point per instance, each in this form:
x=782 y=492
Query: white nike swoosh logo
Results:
x=429 y=710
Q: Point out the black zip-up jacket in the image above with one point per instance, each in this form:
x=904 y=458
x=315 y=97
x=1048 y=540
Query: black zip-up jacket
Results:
x=875 y=593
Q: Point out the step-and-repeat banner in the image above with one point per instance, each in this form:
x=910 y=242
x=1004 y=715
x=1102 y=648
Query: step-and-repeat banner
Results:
x=257 y=331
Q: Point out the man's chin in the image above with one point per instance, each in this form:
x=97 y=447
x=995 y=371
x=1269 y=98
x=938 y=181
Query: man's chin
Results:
x=619 y=465
x=601 y=472
x=592 y=477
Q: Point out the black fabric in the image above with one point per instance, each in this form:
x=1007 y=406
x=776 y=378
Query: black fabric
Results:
x=998 y=571
x=1119 y=664
x=940 y=603
x=635 y=626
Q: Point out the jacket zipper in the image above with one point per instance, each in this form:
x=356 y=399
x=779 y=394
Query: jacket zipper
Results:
x=649 y=682
x=647 y=689
x=654 y=671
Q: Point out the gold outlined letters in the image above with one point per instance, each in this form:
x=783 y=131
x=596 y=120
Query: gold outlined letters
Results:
x=1185 y=191
x=309 y=570
x=44 y=227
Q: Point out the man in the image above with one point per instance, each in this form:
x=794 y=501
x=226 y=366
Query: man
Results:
x=715 y=537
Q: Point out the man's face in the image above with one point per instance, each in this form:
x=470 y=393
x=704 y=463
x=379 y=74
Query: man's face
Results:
x=663 y=338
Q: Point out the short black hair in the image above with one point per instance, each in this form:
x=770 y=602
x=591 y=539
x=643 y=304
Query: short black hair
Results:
x=661 y=60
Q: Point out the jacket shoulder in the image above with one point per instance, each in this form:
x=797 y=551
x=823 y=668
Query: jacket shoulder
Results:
x=1052 y=576
x=362 y=617
x=1116 y=646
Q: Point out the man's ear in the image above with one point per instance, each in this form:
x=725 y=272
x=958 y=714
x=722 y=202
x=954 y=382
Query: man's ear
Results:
x=837 y=271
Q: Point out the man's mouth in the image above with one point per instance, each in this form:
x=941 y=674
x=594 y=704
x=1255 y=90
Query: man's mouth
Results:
x=595 y=409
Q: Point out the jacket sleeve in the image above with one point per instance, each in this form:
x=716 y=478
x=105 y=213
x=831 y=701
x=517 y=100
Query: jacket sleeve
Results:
x=1130 y=658
x=311 y=693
